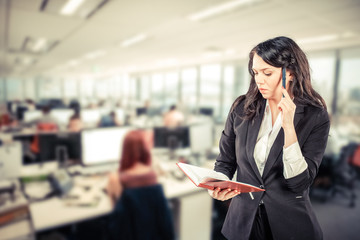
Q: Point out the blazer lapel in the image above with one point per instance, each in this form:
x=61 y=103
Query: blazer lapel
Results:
x=252 y=133
x=278 y=145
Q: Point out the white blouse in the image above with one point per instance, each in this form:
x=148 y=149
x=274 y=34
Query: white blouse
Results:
x=293 y=160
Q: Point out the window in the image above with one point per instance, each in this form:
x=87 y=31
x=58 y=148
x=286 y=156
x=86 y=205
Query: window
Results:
x=171 y=88
x=2 y=90
x=30 y=88
x=157 y=89
x=210 y=87
x=229 y=96
x=70 y=88
x=189 y=88
x=49 y=88
x=145 y=84
x=322 y=75
x=348 y=105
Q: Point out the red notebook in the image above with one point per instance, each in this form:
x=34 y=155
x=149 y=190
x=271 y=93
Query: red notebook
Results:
x=207 y=178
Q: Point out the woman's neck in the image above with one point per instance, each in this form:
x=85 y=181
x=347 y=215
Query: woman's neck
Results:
x=273 y=104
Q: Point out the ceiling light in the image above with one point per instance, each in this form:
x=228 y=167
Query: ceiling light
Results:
x=133 y=40
x=25 y=61
x=95 y=54
x=38 y=45
x=71 y=6
x=73 y=63
x=324 y=38
x=215 y=10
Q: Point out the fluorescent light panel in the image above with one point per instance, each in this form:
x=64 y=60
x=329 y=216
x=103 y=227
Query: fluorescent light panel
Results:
x=215 y=10
x=133 y=40
x=39 y=44
x=71 y=6
x=318 y=39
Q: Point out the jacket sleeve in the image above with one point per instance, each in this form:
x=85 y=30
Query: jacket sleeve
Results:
x=313 y=150
x=226 y=160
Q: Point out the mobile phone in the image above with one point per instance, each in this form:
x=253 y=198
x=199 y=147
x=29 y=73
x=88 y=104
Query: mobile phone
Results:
x=284 y=78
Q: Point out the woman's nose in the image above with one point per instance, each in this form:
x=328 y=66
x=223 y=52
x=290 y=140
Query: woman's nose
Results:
x=259 y=80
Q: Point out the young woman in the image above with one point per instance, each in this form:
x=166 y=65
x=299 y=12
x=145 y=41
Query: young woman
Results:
x=274 y=138
x=141 y=209
x=135 y=166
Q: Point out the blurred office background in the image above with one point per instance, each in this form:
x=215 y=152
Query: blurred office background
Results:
x=137 y=58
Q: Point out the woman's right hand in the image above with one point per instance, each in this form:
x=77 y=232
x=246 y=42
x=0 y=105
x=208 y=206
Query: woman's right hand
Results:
x=224 y=194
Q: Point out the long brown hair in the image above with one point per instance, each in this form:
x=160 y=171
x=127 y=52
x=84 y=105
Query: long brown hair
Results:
x=281 y=52
x=134 y=150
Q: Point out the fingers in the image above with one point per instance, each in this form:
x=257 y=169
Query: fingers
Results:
x=224 y=194
x=285 y=93
x=286 y=104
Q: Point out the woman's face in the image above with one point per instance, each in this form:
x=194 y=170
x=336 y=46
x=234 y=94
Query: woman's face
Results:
x=267 y=78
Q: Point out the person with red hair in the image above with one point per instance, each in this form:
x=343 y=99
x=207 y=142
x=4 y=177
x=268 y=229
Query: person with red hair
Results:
x=135 y=166
x=141 y=209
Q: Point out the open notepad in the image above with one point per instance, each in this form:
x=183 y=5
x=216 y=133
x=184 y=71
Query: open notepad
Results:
x=207 y=178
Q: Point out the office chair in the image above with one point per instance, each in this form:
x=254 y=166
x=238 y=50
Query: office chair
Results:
x=42 y=127
x=142 y=213
x=344 y=175
x=355 y=161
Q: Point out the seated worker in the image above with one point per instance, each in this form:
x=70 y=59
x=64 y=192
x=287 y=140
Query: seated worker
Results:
x=109 y=120
x=46 y=122
x=173 y=118
x=137 y=196
x=75 y=123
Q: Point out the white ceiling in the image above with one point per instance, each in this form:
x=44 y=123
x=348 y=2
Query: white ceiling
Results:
x=172 y=38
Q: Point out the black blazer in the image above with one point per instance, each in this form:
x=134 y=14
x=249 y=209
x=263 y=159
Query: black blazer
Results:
x=286 y=200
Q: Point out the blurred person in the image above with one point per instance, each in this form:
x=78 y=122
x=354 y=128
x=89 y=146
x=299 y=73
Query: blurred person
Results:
x=46 y=123
x=4 y=116
x=75 y=105
x=135 y=166
x=173 y=118
x=75 y=123
x=137 y=196
x=109 y=120
x=274 y=138
x=30 y=104
x=45 y=120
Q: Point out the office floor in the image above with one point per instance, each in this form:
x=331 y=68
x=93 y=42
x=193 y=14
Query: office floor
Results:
x=337 y=219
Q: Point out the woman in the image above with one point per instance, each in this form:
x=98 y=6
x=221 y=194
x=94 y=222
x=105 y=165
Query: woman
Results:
x=141 y=209
x=135 y=166
x=275 y=139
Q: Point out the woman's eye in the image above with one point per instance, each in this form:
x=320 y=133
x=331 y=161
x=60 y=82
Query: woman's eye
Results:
x=267 y=74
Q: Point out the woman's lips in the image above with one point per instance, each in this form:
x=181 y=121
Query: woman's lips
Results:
x=262 y=90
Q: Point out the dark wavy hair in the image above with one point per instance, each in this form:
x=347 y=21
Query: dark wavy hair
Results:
x=281 y=52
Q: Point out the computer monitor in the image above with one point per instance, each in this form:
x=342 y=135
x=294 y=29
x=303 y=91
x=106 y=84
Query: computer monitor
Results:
x=30 y=116
x=54 y=146
x=172 y=138
x=201 y=137
x=62 y=116
x=206 y=111
x=90 y=117
x=103 y=145
x=141 y=111
x=10 y=160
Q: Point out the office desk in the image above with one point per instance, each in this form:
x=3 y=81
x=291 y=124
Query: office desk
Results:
x=193 y=215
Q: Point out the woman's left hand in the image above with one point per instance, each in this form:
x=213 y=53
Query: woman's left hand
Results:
x=287 y=107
